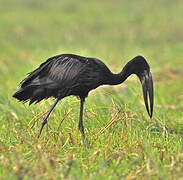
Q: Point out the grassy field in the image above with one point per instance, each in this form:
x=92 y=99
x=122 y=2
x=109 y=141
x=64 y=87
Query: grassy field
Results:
x=122 y=142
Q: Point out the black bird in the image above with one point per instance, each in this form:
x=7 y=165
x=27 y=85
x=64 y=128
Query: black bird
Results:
x=68 y=74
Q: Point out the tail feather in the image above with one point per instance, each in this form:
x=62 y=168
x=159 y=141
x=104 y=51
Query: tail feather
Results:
x=39 y=88
x=34 y=94
x=23 y=94
x=37 y=96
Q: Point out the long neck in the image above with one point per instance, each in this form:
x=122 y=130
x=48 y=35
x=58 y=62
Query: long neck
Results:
x=118 y=78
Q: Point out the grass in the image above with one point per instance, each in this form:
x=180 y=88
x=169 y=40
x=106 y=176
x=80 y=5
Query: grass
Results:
x=123 y=143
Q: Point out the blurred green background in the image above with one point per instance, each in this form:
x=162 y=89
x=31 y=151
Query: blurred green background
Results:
x=132 y=146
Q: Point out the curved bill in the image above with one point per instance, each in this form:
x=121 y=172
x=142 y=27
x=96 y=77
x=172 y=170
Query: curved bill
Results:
x=148 y=91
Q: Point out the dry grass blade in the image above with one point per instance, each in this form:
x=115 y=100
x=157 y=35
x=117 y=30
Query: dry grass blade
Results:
x=39 y=116
x=115 y=119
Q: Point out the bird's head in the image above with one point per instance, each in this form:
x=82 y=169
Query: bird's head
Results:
x=140 y=67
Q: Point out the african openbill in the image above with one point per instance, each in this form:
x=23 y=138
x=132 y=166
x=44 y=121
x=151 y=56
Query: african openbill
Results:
x=68 y=74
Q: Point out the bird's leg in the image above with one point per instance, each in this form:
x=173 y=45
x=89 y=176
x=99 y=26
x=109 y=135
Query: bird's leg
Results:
x=45 y=120
x=80 y=126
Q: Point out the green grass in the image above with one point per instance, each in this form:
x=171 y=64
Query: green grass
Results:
x=132 y=146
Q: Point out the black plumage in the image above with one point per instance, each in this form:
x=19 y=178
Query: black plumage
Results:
x=68 y=74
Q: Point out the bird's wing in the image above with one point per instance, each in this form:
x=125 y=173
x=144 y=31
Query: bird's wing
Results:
x=36 y=72
x=57 y=71
x=67 y=70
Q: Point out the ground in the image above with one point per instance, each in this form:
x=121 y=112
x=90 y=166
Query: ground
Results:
x=122 y=141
